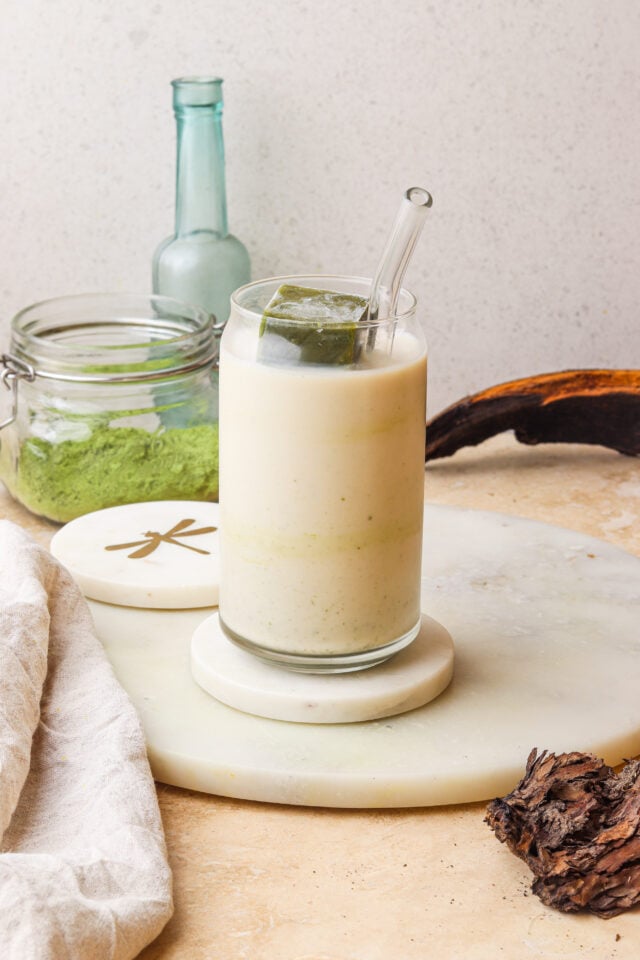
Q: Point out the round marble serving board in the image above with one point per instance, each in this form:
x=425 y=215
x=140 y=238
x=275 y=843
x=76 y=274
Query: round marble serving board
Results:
x=546 y=627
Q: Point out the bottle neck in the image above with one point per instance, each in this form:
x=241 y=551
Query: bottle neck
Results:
x=201 y=201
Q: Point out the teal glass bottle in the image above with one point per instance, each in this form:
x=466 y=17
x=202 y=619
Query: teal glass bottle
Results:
x=201 y=263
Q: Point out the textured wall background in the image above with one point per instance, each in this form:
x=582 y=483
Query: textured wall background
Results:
x=521 y=117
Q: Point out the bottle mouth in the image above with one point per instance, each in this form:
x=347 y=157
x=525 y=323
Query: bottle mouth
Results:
x=113 y=337
x=196 y=92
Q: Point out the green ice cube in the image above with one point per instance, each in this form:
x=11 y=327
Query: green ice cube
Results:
x=303 y=325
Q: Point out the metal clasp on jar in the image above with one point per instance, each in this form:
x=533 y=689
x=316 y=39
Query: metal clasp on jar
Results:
x=14 y=370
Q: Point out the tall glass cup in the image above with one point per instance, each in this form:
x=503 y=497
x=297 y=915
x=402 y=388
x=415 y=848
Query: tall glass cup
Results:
x=321 y=484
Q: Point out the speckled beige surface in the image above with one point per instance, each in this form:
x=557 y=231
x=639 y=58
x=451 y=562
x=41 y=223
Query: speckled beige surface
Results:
x=263 y=882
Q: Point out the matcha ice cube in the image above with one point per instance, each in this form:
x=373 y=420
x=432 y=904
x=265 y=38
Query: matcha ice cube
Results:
x=304 y=325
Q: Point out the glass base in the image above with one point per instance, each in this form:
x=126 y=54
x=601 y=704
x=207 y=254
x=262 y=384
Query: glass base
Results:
x=323 y=663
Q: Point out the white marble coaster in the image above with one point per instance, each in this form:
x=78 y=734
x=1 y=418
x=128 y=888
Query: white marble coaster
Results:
x=411 y=678
x=162 y=554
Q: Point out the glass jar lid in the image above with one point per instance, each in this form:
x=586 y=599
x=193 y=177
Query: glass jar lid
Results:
x=95 y=338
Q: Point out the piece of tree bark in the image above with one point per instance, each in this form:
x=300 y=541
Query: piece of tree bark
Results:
x=574 y=406
x=576 y=824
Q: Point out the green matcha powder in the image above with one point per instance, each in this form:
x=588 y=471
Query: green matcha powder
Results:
x=118 y=465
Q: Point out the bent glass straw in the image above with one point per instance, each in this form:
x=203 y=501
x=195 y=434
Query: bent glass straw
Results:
x=397 y=253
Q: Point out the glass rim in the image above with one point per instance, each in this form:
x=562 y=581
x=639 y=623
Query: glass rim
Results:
x=279 y=280
x=193 y=341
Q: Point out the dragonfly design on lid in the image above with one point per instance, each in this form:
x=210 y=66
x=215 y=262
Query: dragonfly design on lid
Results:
x=153 y=539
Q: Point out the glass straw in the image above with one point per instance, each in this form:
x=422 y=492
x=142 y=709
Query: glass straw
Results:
x=397 y=253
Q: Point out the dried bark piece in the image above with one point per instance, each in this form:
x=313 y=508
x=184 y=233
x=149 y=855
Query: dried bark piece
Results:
x=574 y=406
x=576 y=824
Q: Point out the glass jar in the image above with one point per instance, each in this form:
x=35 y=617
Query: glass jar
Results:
x=322 y=433
x=113 y=399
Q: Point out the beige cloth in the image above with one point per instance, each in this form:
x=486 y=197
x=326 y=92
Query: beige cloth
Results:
x=83 y=866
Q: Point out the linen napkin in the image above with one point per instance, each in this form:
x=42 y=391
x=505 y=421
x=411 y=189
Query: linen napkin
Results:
x=83 y=864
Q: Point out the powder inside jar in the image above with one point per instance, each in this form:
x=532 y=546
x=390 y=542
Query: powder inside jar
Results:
x=116 y=465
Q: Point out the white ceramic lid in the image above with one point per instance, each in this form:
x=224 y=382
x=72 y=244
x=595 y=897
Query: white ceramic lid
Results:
x=162 y=554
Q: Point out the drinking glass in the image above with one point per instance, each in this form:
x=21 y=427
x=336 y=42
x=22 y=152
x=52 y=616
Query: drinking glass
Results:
x=321 y=481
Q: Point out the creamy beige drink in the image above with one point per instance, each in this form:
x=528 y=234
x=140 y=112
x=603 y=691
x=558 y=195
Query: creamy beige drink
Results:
x=321 y=493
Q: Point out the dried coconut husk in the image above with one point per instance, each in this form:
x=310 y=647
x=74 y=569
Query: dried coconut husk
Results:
x=576 y=823
x=573 y=406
